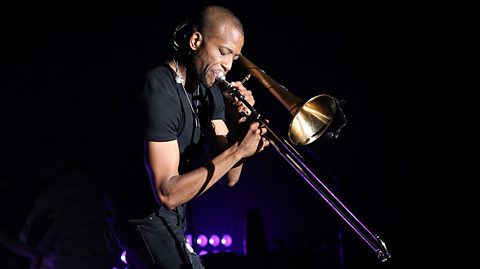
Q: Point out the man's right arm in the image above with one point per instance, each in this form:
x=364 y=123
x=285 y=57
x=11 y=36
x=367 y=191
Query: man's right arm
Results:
x=172 y=189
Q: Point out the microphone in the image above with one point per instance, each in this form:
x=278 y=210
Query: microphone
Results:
x=179 y=78
x=178 y=75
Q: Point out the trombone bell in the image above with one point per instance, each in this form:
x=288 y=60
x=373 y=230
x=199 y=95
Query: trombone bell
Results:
x=312 y=119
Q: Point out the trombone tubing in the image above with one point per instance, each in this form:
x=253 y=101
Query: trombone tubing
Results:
x=288 y=152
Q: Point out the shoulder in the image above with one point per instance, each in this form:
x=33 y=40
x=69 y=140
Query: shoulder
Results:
x=160 y=80
x=161 y=72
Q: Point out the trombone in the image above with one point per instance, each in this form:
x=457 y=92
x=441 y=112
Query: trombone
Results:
x=310 y=120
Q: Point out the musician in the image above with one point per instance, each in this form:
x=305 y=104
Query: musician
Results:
x=183 y=110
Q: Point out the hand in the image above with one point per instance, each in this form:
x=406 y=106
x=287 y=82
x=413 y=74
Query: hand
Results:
x=254 y=140
x=239 y=106
x=264 y=142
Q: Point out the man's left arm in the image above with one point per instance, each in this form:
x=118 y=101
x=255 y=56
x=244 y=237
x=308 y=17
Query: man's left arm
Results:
x=220 y=143
x=224 y=136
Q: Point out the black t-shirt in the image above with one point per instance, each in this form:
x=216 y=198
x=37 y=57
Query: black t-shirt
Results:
x=163 y=113
x=169 y=115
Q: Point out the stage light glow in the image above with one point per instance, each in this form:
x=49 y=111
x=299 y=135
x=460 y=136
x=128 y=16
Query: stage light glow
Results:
x=189 y=239
x=203 y=252
x=202 y=240
x=123 y=257
x=226 y=240
x=214 y=240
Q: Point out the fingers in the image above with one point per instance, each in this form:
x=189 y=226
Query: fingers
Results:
x=263 y=141
x=242 y=108
x=263 y=144
x=242 y=120
x=263 y=130
x=247 y=94
x=254 y=140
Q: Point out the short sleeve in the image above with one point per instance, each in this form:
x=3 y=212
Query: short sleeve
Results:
x=218 y=112
x=161 y=106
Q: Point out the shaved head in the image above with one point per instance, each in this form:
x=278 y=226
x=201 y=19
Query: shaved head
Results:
x=211 y=18
x=208 y=44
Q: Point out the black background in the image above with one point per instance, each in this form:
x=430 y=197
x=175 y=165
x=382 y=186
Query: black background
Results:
x=68 y=68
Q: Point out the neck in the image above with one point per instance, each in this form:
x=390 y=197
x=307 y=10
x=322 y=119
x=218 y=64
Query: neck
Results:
x=181 y=76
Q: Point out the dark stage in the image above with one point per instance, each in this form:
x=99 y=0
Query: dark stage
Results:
x=69 y=70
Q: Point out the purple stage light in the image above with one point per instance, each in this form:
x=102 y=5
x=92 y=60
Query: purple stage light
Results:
x=189 y=239
x=202 y=240
x=123 y=257
x=214 y=240
x=203 y=252
x=226 y=240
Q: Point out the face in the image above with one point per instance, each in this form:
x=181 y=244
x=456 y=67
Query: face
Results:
x=216 y=53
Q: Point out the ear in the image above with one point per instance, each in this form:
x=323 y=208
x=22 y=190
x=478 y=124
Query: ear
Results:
x=196 y=40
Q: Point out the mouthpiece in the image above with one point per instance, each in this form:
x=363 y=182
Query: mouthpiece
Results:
x=223 y=80
x=221 y=76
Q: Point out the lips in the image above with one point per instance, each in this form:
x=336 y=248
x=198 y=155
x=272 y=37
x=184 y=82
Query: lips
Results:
x=214 y=75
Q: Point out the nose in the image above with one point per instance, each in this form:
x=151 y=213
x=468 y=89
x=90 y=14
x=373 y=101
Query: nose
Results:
x=227 y=64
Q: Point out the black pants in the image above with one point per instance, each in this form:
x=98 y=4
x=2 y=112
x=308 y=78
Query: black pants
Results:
x=156 y=242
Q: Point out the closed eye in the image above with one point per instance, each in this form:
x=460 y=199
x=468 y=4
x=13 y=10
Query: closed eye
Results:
x=225 y=51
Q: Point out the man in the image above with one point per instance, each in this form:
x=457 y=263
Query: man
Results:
x=184 y=110
x=66 y=222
